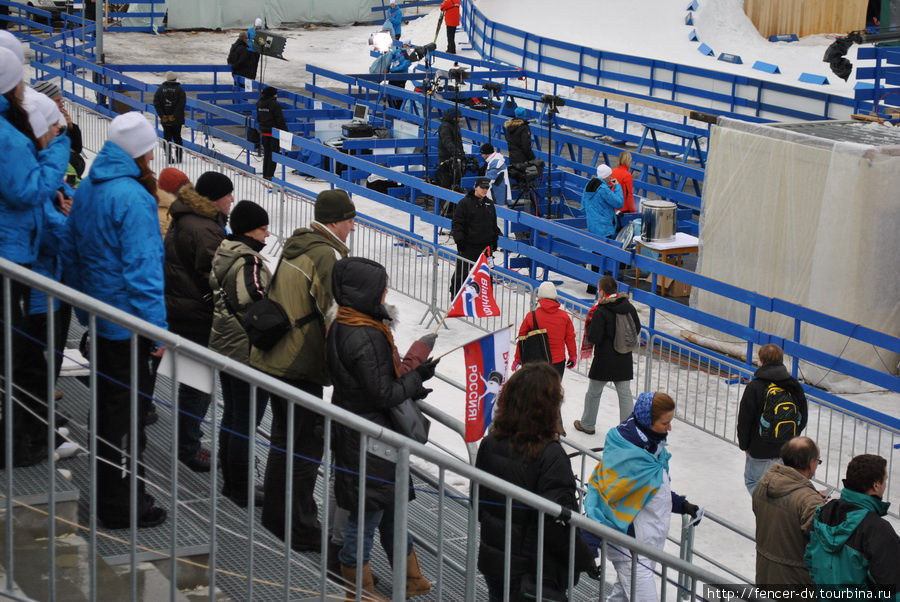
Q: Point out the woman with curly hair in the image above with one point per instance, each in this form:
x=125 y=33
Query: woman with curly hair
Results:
x=523 y=448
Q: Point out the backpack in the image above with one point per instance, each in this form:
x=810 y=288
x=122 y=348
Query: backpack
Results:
x=780 y=416
x=627 y=339
x=266 y=321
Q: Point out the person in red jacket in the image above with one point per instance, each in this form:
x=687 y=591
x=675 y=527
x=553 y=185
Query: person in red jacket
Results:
x=560 y=332
x=450 y=8
x=622 y=173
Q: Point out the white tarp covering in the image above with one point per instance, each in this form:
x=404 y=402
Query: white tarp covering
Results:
x=228 y=14
x=808 y=220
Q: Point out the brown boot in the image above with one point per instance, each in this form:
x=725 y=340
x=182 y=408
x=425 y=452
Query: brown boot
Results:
x=416 y=583
x=368 y=586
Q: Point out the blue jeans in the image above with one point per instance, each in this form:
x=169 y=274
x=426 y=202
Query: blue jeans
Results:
x=384 y=520
x=592 y=401
x=755 y=468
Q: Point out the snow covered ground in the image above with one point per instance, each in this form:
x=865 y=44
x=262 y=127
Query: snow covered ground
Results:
x=705 y=468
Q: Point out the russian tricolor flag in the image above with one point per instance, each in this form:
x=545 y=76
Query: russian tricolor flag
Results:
x=475 y=298
x=486 y=361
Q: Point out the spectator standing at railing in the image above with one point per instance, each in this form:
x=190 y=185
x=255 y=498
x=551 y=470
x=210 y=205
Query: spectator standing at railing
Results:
x=30 y=178
x=114 y=253
x=773 y=410
x=395 y=18
x=630 y=490
x=622 y=175
x=522 y=447
x=474 y=231
x=369 y=379
x=600 y=201
x=269 y=116
x=169 y=102
x=50 y=89
x=170 y=181
x=608 y=364
x=450 y=8
x=551 y=317
x=239 y=277
x=302 y=285
x=785 y=503
x=241 y=60
x=518 y=137
x=199 y=214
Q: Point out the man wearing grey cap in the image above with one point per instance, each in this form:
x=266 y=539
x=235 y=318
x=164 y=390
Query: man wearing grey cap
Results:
x=169 y=101
x=302 y=285
x=474 y=228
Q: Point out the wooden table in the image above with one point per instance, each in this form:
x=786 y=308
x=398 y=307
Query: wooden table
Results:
x=671 y=252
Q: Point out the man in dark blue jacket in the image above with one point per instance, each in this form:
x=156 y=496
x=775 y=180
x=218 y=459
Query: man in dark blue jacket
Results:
x=474 y=229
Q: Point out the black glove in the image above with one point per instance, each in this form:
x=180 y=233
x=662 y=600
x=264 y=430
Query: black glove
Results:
x=570 y=364
x=426 y=368
x=689 y=508
x=422 y=393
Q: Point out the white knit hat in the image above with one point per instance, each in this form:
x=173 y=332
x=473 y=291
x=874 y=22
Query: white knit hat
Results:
x=133 y=133
x=42 y=112
x=546 y=290
x=10 y=70
x=258 y=22
x=603 y=171
x=11 y=42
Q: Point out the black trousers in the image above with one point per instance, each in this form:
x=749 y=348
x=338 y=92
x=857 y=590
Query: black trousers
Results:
x=234 y=436
x=463 y=267
x=172 y=133
x=451 y=39
x=308 y=444
x=397 y=102
x=269 y=144
x=114 y=426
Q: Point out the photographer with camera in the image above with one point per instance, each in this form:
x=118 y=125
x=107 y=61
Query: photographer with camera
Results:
x=601 y=198
x=451 y=156
x=518 y=136
x=474 y=228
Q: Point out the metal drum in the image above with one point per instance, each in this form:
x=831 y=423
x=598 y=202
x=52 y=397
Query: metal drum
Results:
x=657 y=221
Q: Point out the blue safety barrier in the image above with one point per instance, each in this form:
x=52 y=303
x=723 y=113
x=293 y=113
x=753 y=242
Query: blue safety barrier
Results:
x=689 y=19
x=731 y=58
x=704 y=49
x=693 y=36
x=767 y=67
x=812 y=78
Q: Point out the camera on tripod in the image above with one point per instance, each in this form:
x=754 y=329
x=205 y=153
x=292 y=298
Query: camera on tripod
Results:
x=417 y=53
x=553 y=103
x=527 y=173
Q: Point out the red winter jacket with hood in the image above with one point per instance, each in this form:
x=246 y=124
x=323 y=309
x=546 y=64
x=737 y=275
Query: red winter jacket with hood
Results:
x=560 y=332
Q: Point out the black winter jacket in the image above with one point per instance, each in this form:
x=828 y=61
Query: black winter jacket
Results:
x=518 y=136
x=548 y=475
x=752 y=406
x=474 y=225
x=449 y=138
x=176 y=110
x=361 y=363
x=609 y=365
x=196 y=231
x=269 y=115
x=241 y=60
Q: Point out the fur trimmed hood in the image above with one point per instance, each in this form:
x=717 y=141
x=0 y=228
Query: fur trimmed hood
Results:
x=189 y=201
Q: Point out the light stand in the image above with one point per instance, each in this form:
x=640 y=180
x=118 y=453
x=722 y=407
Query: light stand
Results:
x=493 y=89
x=553 y=103
x=427 y=88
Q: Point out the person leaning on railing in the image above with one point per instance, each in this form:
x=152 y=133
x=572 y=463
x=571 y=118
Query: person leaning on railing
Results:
x=30 y=179
x=630 y=491
x=523 y=447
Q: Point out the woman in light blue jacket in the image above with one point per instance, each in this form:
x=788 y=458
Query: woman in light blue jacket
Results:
x=600 y=202
x=29 y=178
x=395 y=19
x=115 y=254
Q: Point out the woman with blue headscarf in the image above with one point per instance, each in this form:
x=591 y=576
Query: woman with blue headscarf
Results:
x=630 y=491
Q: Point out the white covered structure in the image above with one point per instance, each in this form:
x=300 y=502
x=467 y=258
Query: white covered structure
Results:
x=227 y=14
x=808 y=213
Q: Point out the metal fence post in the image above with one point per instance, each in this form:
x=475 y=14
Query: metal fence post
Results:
x=401 y=512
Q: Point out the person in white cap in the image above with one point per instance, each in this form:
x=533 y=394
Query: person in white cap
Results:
x=30 y=177
x=601 y=198
x=45 y=119
x=114 y=253
x=169 y=101
x=550 y=316
x=12 y=43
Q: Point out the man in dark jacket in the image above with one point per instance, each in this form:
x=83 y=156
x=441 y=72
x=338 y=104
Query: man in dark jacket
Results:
x=242 y=60
x=850 y=543
x=608 y=365
x=199 y=215
x=451 y=155
x=302 y=285
x=269 y=115
x=169 y=101
x=474 y=228
x=773 y=396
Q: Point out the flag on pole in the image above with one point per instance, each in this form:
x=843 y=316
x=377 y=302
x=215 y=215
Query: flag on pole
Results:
x=486 y=361
x=475 y=298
